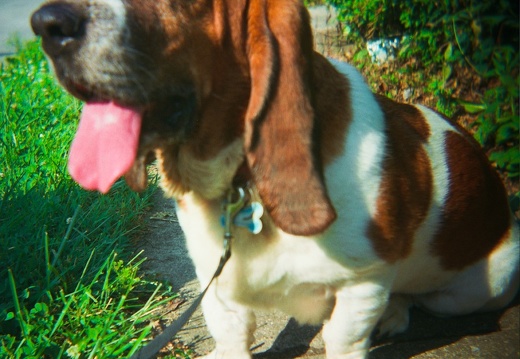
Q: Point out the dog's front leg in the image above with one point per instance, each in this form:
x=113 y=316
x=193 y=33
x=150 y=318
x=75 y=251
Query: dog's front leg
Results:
x=356 y=312
x=231 y=324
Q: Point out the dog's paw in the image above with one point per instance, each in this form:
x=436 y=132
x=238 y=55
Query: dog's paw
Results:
x=358 y=354
x=226 y=354
x=396 y=317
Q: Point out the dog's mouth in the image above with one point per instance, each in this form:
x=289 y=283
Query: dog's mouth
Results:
x=98 y=93
x=105 y=145
x=134 y=101
x=117 y=138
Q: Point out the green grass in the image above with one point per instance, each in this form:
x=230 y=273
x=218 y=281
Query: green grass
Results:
x=69 y=286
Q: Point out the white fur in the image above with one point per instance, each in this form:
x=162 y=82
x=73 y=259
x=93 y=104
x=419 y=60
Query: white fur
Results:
x=420 y=261
x=118 y=9
x=336 y=277
x=108 y=29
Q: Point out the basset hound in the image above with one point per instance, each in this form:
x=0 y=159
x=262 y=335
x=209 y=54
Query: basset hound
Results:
x=370 y=205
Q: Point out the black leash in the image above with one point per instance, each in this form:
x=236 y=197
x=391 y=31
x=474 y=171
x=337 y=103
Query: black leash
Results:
x=231 y=208
x=151 y=349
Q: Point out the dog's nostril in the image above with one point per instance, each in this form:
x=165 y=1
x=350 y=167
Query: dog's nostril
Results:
x=59 y=25
x=56 y=31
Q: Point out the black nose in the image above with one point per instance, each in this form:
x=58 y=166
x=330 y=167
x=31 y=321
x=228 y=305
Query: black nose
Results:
x=61 y=27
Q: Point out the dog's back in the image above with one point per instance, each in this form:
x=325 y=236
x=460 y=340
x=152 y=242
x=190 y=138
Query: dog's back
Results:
x=419 y=189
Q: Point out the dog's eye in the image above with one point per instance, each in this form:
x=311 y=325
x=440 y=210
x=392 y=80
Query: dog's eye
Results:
x=181 y=112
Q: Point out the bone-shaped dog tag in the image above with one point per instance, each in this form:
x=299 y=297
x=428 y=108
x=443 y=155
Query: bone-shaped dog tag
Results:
x=249 y=217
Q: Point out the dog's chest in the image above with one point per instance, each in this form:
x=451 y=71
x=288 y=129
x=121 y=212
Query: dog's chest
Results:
x=267 y=269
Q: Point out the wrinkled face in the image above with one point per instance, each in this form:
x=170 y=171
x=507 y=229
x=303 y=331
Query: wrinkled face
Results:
x=136 y=53
x=144 y=69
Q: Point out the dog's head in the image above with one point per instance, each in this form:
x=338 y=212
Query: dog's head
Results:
x=194 y=72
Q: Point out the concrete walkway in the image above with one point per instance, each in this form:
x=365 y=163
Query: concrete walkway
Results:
x=15 y=23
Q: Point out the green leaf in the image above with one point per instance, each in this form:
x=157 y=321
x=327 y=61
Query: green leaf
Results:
x=446 y=72
x=485 y=130
x=448 y=53
x=507 y=132
x=509 y=159
x=472 y=107
x=93 y=333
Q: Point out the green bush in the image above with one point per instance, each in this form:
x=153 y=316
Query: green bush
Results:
x=452 y=41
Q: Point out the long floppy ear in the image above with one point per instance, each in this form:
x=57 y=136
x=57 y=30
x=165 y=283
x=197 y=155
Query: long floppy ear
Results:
x=280 y=141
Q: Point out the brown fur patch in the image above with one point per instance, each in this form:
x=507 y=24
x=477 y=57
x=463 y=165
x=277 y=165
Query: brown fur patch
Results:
x=475 y=217
x=281 y=146
x=333 y=113
x=255 y=74
x=406 y=188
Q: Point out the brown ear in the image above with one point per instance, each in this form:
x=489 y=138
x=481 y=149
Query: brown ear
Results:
x=282 y=150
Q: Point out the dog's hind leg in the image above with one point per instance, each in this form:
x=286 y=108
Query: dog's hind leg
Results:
x=357 y=310
x=396 y=317
x=489 y=284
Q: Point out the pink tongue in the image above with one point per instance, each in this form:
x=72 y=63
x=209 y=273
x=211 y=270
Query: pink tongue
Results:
x=105 y=145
